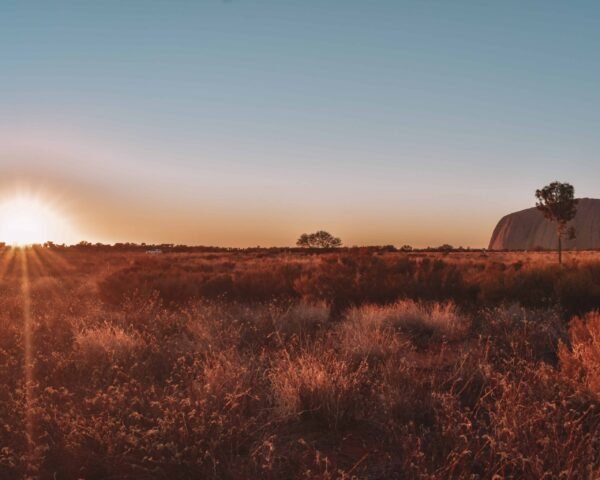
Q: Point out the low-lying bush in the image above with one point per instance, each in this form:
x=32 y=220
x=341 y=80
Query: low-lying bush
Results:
x=422 y=323
x=582 y=360
x=320 y=386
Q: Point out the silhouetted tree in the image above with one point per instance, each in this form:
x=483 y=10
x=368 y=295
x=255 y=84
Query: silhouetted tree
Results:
x=303 y=241
x=320 y=239
x=558 y=204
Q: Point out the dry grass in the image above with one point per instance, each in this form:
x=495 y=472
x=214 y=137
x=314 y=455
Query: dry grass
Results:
x=422 y=323
x=582 y=360
x=106 y=343
x=320 y=386
x=370 y=367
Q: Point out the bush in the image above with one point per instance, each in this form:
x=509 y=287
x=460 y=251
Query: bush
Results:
x=320 y=386
x=582 y=361
x=419 y=322
x=106 y=345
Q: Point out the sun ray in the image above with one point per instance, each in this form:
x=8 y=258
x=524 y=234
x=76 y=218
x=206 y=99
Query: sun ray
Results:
x=57 y=260
x=36 y=267
x=54 y=268
x=8 y=256
x=12 y=267
x=28 y=353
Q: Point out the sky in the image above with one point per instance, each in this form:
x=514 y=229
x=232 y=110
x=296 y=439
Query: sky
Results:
x=248 y=122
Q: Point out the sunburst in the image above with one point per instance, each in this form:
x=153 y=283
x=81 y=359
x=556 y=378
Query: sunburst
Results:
x=26 y=219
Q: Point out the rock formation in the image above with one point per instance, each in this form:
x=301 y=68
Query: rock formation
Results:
x=528 y=229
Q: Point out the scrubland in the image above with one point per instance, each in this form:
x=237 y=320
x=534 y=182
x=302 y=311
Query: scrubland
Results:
x=350 y=364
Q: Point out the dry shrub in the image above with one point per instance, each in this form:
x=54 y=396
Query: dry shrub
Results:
x=422 y=323
x=577 y=289
x=320 y=386
x=364 y=336
x=406 y=392
x=302 y=319
x=532 y=429
x=473 y=421
x=258 y=325
x=218 y=411
x=582 y=361
x=106 y=344
x=198 y=424
x=355 y=277
x=515 y=332
x=209 y=327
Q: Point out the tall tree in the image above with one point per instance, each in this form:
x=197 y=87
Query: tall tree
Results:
x=558 y=204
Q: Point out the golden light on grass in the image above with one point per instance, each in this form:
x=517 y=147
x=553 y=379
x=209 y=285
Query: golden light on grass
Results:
x=27 y=219
x=28 y=351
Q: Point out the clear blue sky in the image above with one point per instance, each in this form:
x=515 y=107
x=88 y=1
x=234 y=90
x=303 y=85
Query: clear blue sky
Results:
x=247 y=122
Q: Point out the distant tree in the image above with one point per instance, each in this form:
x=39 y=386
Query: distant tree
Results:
x=445 y=248
x=406 y=248
x=324 y=239
x=303 y=241
x=558 y=204
x=320 y=239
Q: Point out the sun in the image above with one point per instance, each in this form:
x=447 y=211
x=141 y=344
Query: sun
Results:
x=27 y=220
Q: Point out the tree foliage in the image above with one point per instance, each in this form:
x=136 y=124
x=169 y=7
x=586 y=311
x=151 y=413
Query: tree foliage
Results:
x=558 y=204
x=320 y=239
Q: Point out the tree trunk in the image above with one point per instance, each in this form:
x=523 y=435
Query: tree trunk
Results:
x=559 y=249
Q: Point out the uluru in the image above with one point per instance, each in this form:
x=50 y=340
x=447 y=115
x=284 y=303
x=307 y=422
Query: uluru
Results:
x=528 y=229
